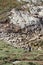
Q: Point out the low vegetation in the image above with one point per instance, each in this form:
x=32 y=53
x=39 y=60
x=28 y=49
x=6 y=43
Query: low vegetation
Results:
x=6 y=5
x=9 y=54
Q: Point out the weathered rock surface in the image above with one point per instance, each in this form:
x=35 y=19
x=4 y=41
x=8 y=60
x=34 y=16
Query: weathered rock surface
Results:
x=22 y=18
x=25 y=26
x=36 y=2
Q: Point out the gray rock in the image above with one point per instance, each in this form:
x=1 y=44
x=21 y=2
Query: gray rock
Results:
x=32 y=1
x=22 y=19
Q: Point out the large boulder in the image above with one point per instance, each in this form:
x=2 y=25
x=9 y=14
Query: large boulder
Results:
x=22 y=18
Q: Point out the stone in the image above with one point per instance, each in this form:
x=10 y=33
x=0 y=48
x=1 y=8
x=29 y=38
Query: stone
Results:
x=23 y=26
x=39 y=48
x=21 y=19
x=41 y=13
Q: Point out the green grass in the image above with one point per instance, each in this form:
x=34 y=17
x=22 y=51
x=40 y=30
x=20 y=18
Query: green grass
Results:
x=22 y=63
x=27 y=63
x=8 y=54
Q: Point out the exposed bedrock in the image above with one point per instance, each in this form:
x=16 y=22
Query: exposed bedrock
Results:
x=24 y=26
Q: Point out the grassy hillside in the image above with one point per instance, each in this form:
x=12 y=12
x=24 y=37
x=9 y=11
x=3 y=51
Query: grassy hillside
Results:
x=7 y=5
x=9 y=54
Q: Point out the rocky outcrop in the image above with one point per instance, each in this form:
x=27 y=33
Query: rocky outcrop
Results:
x=24 y=18
x=25 y=26
x=36 y=2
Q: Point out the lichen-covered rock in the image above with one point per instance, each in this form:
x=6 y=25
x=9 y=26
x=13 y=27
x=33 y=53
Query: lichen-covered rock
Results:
x=25 y=26
x=22 y=18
